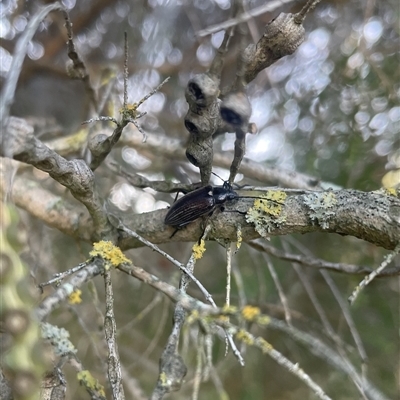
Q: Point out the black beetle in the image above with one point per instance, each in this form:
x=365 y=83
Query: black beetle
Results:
x=198 y=203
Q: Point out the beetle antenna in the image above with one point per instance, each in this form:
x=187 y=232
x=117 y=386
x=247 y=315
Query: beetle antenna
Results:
x=218 y=176
x=226 y=183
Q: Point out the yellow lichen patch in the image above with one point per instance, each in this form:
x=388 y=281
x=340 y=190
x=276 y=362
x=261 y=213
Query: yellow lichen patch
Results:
x=264 y=345
x=391 y=179
x=75 y=297
x=109 y=252
x=268 y=212
x=163 y=379
x=227 y=309
x=194 y=316
x=244 y=337
x=130 y=111
x=86 y=379
x=249 y=313
x=276 y=195
x=391 y=192
x=223 y=318
x=268 y=207
x=271 y=202
x=199 y=249
x=263 y=320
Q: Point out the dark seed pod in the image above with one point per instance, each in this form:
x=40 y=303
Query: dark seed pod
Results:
x=236 y=110
x=204 y=122
x=202 y=90
x=200 y=152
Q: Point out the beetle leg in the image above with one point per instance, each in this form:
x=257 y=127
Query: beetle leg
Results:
x=176 y=197
x=240 y=212
x=176 y=230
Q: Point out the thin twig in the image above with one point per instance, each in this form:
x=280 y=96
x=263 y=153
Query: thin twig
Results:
x=110 y=330
x=339 y=298
x=142 y=182
x=152 y=92
x=271 y=6
x=368 y=279
x=199 y=366
x=344 y=306
x=93 y=268
x=309 y=6
x=78 y=69
x=314 y=262
x=203 y=290
x=62 y=275
x=228 y=248
x=126 y=73
x=281 y=293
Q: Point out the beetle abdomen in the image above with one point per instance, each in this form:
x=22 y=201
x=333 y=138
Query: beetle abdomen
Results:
x=190 y=207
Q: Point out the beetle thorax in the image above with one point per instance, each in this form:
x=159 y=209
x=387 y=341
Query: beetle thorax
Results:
x=222 y=194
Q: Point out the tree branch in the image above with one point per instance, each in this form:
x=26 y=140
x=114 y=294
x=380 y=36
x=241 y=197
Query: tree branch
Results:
x=371 y=216
x=74 y=174
x=319 y=263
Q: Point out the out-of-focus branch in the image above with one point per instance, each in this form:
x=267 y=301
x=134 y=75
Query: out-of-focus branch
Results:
x=320 y=264
x=5 y=387
x=8 y=92
x=77 y=68
x=140 y=181
x=265 y=8
x=173 y=149
x=55 y=211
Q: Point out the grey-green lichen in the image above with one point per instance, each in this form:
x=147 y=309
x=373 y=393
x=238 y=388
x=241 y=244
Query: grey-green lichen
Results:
x=321 y=206
x=59 y=338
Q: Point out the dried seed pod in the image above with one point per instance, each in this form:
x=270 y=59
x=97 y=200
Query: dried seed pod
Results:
x=200 y=154
x=236 y=110
x=204 y=122
x=202 y=90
